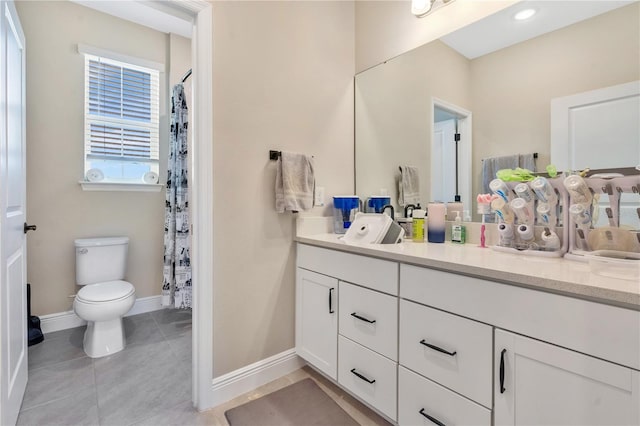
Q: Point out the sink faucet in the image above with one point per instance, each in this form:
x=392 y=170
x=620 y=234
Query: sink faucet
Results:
x=389 y=206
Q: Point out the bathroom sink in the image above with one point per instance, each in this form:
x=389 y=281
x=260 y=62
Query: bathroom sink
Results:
x=615 y=264
x=373 y=228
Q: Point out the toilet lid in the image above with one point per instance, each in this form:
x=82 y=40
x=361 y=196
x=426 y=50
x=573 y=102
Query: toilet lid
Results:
x=107 y=291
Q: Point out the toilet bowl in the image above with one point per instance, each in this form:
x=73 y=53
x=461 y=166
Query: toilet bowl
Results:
x=103 y=305
x=104 y=297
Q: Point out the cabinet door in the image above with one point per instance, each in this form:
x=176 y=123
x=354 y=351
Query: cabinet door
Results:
x=317 y=320
x=542 y=384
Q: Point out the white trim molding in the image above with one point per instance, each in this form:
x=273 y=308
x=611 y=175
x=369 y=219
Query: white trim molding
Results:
x=245 y=379
x=120 y=186
x=104 y=53
x=69 y=319
x=202 y=203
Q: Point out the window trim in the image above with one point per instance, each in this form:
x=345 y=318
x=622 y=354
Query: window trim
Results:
x=115 y=56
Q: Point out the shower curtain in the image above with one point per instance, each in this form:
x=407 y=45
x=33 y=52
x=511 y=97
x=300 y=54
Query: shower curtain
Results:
x=176 y=286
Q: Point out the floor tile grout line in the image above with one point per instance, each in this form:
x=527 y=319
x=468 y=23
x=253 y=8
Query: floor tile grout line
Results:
x=95 y=389
x=33 y=368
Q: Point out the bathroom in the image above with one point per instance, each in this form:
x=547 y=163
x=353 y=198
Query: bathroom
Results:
x=254 y=56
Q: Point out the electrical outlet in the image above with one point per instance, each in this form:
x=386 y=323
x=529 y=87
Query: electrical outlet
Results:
x=319 y=196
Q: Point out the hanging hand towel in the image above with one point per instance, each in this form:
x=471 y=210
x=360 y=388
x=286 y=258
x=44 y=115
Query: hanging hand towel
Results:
x=294 y=182
x=528 y=161
x=490 y=167
x=408 y=186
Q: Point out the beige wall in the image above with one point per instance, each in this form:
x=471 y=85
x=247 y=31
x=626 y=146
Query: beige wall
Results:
x=283 y=79
x=385 y=29
x=393 y=115
x=513 y=87
x=55 y=200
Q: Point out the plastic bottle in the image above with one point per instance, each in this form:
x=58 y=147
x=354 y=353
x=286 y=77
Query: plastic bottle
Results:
x=418 y=225
x=458 y=231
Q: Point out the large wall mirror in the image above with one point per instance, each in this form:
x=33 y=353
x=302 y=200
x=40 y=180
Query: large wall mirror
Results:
x=493 y=82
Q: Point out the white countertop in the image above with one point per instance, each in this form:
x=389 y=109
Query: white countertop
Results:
x=558 y=275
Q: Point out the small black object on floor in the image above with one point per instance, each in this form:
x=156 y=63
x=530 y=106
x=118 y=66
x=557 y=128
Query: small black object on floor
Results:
x=34 y=332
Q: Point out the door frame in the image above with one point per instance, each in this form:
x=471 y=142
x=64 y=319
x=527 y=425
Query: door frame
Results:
x=202 y=203
x=465 y=149
x=202 y=262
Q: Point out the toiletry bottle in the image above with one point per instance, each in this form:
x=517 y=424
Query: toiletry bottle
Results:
x=458 y=232
x=418 y=225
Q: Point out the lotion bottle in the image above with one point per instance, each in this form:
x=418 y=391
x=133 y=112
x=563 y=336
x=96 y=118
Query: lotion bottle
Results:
x=458 y=231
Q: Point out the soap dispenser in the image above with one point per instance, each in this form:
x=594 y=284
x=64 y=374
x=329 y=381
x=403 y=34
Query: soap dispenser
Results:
x=458 y=231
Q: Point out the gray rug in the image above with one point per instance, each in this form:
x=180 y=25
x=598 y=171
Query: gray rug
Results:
x=300 y=404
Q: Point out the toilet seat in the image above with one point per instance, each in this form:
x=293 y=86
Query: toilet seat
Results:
x=108 y=291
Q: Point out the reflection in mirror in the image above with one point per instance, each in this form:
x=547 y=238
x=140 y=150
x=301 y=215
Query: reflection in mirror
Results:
x=507 y=84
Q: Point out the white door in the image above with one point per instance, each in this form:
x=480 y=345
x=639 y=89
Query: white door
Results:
x=13 y=305
x=317 y=320
x=541 y=384
x=443 y=161
x=599 y=129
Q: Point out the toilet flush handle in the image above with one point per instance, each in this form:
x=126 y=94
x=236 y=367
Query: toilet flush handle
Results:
x=83 y=251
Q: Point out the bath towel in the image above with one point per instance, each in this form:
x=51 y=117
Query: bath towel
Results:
x=295 y=182
x=490 y=167
x=408 y=186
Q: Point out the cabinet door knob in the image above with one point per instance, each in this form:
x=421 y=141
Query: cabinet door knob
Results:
x=502 y=389
x=435 y=348
x=353 y=370
x=355 y=315
x=432 y=419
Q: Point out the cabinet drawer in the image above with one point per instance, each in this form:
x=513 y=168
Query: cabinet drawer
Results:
x=369 y=375
x=369 y=318
x=603 y=331
x=381 y=275
x=463 y=362
x=417 y=395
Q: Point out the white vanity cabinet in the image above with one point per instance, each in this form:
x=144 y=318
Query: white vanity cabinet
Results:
x=317 y=320
x=428 y=346
x=356 y=341
x=542 y=384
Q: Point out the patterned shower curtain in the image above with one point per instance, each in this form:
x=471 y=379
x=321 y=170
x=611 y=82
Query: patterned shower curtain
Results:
x=176 y=286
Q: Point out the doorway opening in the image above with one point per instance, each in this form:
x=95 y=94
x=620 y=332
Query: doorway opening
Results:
x=451 y=153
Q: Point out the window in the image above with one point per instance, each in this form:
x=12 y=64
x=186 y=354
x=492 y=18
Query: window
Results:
x=121 y=119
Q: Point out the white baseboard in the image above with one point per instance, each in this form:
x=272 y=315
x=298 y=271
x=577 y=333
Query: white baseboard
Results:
x=245 y=379
x=64 y=320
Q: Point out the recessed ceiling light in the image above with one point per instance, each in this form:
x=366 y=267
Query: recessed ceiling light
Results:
x=524 y=14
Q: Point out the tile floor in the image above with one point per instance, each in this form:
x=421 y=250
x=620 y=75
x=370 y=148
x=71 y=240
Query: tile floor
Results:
x=148 y=383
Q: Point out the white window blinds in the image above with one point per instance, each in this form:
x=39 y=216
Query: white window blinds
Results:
x=121 y=116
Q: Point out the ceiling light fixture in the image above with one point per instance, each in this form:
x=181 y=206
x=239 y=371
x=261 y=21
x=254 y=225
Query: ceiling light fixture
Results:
x=524 y=14
x=421 y=8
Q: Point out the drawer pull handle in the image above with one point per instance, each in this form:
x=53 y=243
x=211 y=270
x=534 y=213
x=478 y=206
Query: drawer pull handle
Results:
x=331 y=311
x=353 y=370
x=502 y=389
x=435 y=348
x=362 y=318
x=433 y=419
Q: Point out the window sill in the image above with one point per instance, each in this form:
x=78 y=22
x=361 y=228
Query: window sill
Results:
x=120 y=186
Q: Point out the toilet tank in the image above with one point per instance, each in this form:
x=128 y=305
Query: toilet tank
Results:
x=101 y=259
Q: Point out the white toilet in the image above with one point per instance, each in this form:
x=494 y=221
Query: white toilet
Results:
x=104 y=298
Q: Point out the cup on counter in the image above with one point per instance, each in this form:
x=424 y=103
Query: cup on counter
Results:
x=436 y=222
